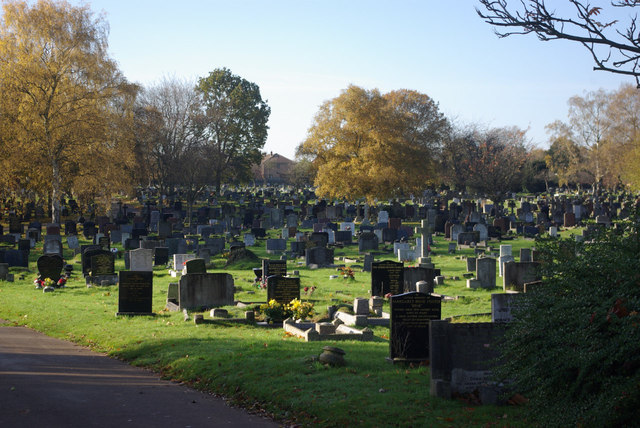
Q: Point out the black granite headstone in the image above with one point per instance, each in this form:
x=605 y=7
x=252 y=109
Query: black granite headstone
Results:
x=102 y=263
x=387 y=277
x=274 y=267
x=283 y=289
x=50 y=266
x=135 y=293
x=196 y=266
x=160 y=256
x=409 y=325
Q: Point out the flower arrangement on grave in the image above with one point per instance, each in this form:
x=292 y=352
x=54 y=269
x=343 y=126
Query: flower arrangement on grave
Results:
x=274 y=311
x=300 y=310
x=62 y=282
x=309 y=290
x=347 y=273
x=39 y=282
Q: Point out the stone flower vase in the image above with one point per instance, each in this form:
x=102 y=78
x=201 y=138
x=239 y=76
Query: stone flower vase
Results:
x=332 y=356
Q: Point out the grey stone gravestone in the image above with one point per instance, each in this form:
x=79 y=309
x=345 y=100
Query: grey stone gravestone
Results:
x=456 y=229
x=72 y=242
x=276 y=246
x=516 y=274
x=502 y=305
x=368 y=260
x=52 y=247
x=412 y=275
x=249 y=240
x=471 y=264
x=482 y=231
x=179 y=260
x=322 y=257
x=205 y=290
x=367 y=241
x=141 y=260
x=486 y=272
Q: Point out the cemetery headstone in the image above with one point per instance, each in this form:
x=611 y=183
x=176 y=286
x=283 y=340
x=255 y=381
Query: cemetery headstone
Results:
x=135 y=293
x=200 y=291
x=411 y=314
x=179 y=260
x=273 y=268
x=320 y=256
x=160 y=256
x=502 y=305
x=283 y=289
x=141 y=260
x=486 y=272
x=102 y=264
x=387 y=277
x=367 y=241
x=413 y=275
x=276 y=246
x=196 y=266
x=50 y=266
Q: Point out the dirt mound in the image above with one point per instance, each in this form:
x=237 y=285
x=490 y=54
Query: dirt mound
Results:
x=241 y=254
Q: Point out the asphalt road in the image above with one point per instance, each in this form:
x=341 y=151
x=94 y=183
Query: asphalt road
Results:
x=46 y=382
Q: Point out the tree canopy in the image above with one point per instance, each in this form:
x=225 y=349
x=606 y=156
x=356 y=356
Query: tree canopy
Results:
x=488 y=162
x=365 y=144
x=235 y=124
x=64 y=104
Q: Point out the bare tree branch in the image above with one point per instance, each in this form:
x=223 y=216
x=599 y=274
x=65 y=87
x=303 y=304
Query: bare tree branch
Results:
x=613 y=50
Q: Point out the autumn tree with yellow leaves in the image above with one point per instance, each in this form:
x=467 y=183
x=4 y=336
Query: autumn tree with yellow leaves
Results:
x=65 y=109
x=365 y=144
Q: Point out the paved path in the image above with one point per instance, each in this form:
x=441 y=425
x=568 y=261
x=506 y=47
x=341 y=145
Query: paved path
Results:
x=46 y=382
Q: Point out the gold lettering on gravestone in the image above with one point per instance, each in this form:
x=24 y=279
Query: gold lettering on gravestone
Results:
x=389 y=277
x=283 y=290
x=274 y=267
x=101 y=265
x=135 y=292
x=409 y=328
x=416 y=312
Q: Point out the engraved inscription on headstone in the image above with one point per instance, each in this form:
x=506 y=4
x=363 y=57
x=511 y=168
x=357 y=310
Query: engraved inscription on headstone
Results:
x=282 y=289
x=409 y=325
x=135 y=293
x=387 y=277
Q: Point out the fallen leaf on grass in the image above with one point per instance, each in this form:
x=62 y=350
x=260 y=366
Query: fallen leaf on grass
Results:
x=517 y=400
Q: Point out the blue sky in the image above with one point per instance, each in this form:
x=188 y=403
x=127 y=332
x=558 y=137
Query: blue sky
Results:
x=302 y=53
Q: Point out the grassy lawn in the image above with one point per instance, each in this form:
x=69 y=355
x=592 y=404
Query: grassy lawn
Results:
x=264 y=368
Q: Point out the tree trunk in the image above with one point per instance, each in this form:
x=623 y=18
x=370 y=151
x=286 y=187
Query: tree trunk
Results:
x=55 y=193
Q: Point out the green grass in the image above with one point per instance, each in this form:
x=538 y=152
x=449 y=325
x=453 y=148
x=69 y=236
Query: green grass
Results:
x=261 y=367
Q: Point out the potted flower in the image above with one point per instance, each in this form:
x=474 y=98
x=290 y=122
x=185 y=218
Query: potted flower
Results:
x=347 y=273
x=274 y=311
x=300 y=310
